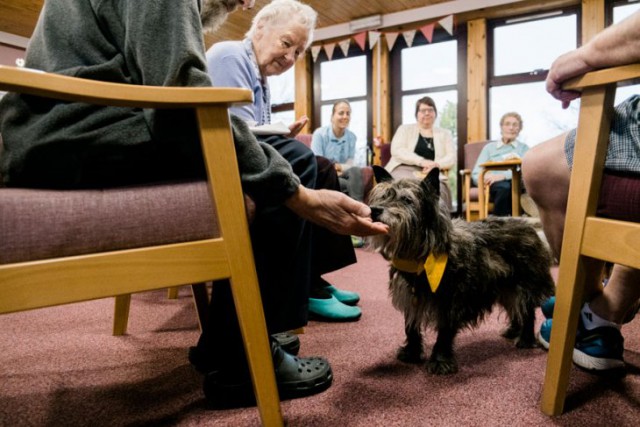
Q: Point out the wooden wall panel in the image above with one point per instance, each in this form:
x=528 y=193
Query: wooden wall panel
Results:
x=304 y=91
x=381 y=95
x=592 y=18
x=477 y=80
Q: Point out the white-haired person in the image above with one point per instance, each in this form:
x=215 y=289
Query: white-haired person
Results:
x=70 y=145
x=507 y=147
x=279 y=34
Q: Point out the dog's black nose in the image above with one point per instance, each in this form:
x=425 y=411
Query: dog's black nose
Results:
x=376 y=212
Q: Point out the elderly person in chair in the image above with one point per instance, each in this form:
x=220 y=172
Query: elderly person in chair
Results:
x=507 y=147
x=279 y=34
x=69 y=145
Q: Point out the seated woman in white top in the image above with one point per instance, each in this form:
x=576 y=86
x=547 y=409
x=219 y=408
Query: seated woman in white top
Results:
x=418 y=148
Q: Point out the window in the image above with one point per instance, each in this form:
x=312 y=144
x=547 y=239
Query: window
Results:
x=283 y=94
x=429 y=69
x=521 y=51
x=346 y=78
x=621 y=10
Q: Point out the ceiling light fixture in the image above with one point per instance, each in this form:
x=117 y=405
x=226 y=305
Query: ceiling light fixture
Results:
x=367 y=23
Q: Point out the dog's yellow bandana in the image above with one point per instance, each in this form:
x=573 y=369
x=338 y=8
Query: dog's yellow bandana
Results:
x=434 y=267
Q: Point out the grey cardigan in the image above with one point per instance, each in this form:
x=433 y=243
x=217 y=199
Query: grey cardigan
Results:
x=143 y=42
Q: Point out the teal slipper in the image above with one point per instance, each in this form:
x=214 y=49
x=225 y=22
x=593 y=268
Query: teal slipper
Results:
x=330 y=309
x=345 y=297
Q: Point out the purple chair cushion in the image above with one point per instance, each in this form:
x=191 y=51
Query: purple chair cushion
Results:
x=40 y=224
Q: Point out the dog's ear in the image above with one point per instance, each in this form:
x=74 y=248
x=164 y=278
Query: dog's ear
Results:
x=381 y=174
x=432 y=180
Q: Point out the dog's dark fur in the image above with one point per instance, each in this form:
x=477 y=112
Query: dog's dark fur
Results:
x=497 y=260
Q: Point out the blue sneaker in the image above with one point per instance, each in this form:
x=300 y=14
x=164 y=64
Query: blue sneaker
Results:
x=547 y=307
x=599 y=349
x=544 y=334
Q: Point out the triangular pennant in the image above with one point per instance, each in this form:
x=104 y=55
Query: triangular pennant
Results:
x=361 y=39
x=427 y=31
x=447 y=24
x=409 y=36
x=391 y=39
x=315 y=51
x=374 y=36
x=328 y=49
x=344 y=46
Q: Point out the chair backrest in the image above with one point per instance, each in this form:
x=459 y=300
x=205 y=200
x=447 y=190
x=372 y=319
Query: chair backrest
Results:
x=305 y=138
x=99 y=272
x=472 y=152
x=385 y=154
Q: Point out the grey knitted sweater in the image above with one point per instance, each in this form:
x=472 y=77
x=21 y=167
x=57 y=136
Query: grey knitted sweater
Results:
x=143 y=42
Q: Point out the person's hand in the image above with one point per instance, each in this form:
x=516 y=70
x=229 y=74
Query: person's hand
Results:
x=565 y=67
x=335 y=211
x=490 y=179
x=427 y=165
x=297 y=126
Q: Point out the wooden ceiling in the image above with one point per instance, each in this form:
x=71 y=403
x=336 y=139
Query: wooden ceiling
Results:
x=18 y=17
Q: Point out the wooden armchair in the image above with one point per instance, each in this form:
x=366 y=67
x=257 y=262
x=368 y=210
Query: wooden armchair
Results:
x=59 y=247
x=476 y=200
x=589 y=240
x=470 y=193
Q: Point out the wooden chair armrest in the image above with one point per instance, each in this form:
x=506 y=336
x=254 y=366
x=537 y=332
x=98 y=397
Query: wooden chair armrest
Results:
x=604 y=76
x=34 y=82
x=464 y=172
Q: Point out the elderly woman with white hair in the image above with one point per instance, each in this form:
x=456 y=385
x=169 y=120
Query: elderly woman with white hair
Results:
x=280 y=33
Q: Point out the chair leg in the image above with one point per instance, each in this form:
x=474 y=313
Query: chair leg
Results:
x=201 y=301
x=254 y=335
x=121 y=314
x=172 y=292
x=573 y=279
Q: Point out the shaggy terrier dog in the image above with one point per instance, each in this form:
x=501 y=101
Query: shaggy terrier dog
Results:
x=448 y=274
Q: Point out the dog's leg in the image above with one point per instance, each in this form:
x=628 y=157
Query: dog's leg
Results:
x=411 y=351
x=513 y=331
x=442 y=360
x=527 y=338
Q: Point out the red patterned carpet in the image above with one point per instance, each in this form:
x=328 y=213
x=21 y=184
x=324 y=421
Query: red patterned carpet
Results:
x=61 y=367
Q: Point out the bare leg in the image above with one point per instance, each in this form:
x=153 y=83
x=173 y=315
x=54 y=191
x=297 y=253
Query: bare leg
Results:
x=546 y=176
x=619 y=296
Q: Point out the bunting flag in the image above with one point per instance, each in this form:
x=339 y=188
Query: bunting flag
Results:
x=447 y=24
x=427 y=31
x=374 y=36
x=361 y=39
x=315 y=51
x=328 y=49
x=344 y=46
x=409 y=36
x=391 y=39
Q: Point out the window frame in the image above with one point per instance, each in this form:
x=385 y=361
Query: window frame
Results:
x=318 y=103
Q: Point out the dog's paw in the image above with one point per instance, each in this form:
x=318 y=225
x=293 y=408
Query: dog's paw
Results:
x=409 y=354
x=442 y=366
x=511 y=333
x=526 y=342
